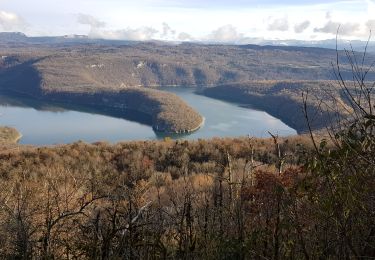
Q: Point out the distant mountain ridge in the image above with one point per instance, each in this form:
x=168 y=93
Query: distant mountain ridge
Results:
x=21 y=38
x=13 y=37
x=80 y=67
x=9 y=38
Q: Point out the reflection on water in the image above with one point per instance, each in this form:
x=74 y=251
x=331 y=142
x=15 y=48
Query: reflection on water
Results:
x=14 y=101
x=230 y=119
x=44 y=123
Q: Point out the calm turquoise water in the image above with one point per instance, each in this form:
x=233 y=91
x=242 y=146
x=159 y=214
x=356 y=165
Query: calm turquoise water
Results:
x=43 y=124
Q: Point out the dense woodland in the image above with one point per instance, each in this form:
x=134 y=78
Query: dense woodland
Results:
x=213 y=199
x=84 y=67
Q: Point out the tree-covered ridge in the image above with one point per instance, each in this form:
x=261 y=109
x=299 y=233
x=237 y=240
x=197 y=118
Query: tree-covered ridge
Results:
x=166 y=112
x=79 y=67
x=283 y=99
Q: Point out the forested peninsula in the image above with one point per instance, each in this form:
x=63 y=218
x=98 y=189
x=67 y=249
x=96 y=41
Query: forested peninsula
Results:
x=166 y=112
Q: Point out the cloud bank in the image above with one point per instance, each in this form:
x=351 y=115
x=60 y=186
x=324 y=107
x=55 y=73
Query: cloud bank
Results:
x=167 y=31
x=184 y=37
x=11 y=21
x=371 y=25
x=301 y=27
x=90 y=20
x=278 y=27
x=280 y=24
x=130 y=34
x=226 y=33
x=185 y=19
x=98 y=30
x=346 y=29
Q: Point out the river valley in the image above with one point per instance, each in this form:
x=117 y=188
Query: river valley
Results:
x=46 y=124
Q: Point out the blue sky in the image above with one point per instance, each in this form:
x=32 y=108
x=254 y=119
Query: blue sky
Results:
x=238 y=21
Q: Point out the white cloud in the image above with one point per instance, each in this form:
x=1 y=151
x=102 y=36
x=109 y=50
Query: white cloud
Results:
x=371 y=25
x=90 y=20
x=226 y=33
x=261 y=20
x=11 y=21
x=346 y=29
x=98 y=31
x=184 y=37
x=299 y=28
x=280 y=24
x=167 y=31
x=137 y=34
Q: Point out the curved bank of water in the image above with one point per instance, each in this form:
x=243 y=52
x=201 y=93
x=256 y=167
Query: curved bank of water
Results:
x=51 y=124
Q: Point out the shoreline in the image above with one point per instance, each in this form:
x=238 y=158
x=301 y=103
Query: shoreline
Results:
x=185 y=131
x=199 y=126
x=120 y=107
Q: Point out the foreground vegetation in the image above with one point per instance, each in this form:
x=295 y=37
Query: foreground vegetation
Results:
x=213 y=199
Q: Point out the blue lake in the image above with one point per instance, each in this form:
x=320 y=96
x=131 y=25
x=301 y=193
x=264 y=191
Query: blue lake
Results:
x=44 y=124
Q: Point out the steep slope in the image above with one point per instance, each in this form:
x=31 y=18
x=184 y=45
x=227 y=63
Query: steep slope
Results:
x=91 y=67
x=166 y=112
x=283 y=99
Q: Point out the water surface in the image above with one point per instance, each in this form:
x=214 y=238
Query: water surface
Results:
x=44 y=124
x=227 y=119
